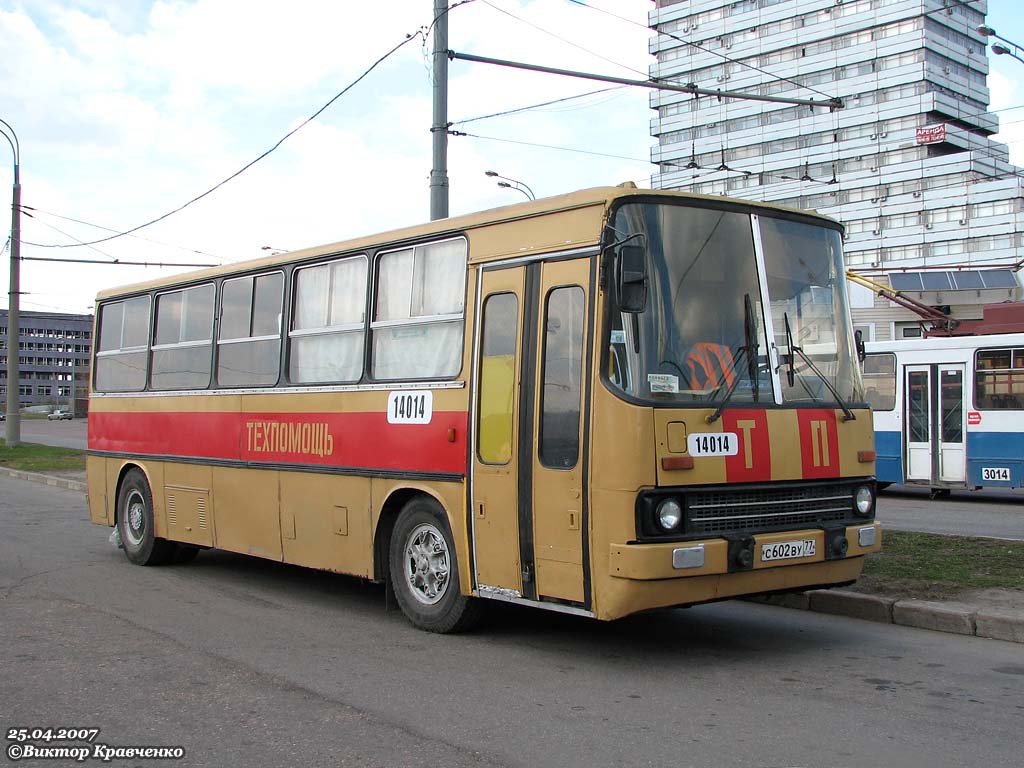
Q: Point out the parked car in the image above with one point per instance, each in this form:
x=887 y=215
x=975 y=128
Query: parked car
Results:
x=59 y=414
x=3 y=417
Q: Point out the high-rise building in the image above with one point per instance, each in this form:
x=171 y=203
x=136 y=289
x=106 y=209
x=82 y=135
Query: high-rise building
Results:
x=53 y=359
x=931 y=203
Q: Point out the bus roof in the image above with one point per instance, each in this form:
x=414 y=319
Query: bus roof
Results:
x=597 y=198
x=945 y=342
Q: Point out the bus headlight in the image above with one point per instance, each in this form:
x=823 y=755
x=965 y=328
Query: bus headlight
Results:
x=669 y=514
x=863 y=501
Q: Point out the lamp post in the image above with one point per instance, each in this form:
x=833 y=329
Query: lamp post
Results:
x=511 y=184
x=13 y=423
x=998 y=48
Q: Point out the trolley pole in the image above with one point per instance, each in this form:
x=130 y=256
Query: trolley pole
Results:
x=439 y=128
x=13 y=423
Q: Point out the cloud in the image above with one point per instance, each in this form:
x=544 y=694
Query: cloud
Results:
x=127 y=110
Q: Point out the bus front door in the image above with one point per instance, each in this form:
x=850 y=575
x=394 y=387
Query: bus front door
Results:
x=935 y=417
x=528 y=464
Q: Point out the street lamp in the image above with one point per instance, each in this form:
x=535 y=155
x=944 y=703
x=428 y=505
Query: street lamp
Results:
x=13 y=423
x=998 y=48
x=511 y=184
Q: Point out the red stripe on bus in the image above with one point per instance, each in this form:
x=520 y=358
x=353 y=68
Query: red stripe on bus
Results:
x=819 y=443
x=753 y=462
x=358 y=440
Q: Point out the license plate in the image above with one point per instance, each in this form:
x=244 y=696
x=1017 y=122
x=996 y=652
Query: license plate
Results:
x=784 y=550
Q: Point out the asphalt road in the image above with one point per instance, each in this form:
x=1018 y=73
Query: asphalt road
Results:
x=246 y=662
x=994 y=514
x=62 y=434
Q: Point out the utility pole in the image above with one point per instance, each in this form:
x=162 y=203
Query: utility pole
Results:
x=439 y=128
x=13 y=423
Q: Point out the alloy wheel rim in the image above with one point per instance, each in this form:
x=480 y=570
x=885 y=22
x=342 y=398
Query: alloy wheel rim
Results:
x=427 y=564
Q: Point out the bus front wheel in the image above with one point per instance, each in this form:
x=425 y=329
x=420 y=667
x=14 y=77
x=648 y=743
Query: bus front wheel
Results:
x=424 y=570
x=135 y=522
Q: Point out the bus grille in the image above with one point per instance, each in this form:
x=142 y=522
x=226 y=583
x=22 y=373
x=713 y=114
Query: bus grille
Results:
x=745 y=511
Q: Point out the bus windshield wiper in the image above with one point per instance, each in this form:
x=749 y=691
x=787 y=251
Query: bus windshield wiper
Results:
x=848 y=415
x=749 y=349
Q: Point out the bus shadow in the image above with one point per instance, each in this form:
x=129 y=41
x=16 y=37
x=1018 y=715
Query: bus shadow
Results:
x=715 y=633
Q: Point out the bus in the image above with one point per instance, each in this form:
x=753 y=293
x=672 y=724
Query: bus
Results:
x=599 y=403
x=948 y=411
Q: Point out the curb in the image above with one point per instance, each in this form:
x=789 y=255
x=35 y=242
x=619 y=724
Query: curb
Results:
x=994 y=623
x=51 y=480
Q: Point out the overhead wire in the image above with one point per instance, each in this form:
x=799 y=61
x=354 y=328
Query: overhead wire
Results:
x=250 y=164
x=532 y=107
x=564 y=40
x=705 y=49
x=110 y=229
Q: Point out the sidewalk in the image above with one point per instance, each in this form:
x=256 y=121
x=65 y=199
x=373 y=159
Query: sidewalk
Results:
x=991 y=613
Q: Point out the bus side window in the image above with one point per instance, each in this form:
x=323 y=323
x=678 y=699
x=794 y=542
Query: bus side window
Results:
x=248 y=349
x=497 y=378
x=418 y=312
x=563 y=376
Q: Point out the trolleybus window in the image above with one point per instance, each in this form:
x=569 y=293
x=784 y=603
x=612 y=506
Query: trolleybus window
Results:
x=880 y=381
x=121 y=355
x=183 y=339
x=999 y=379
x=563 y=365
x=249 y=345
x=327 y=327
x=417 y=328
x=497 y=378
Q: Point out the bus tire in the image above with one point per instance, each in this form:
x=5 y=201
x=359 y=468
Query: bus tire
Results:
x=135 y=522
x=424 y=570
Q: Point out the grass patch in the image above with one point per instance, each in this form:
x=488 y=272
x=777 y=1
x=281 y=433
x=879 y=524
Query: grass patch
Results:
x=927 y=565
x=30 y=457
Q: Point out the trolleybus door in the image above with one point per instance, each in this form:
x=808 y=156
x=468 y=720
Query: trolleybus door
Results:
x=528 y=462
x=950 y=431
x=935 y=417
x=917 y=417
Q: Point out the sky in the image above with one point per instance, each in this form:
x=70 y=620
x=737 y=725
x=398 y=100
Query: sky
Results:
x=127 y=109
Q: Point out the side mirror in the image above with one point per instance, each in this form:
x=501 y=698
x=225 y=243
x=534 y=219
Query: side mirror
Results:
x=858 y=340
x=631 y=279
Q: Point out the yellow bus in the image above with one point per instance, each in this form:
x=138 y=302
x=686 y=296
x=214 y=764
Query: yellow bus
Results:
x=599 y=403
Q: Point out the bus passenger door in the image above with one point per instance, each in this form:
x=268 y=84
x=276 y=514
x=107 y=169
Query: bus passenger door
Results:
x=528 y=462
x=495 y=482
x=557 y=464
x=917 y=418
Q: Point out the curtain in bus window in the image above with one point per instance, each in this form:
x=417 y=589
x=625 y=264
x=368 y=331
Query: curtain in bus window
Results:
x=327 y=333
x=563 y=367
x=121 y=357
x=250 y=337
x=182 y=348
x=497 y=377
x=417 y=328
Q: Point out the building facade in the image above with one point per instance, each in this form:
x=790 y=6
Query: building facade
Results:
x=53 y=357
x=930 y=202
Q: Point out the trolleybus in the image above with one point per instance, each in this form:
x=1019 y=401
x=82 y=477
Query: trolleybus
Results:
x=598 y=403
x=948 y=411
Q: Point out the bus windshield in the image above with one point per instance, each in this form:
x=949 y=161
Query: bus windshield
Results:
x=702 y=337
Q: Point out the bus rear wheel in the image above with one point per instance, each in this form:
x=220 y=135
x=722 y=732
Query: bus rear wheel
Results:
x=424 y=571
x=135 y=522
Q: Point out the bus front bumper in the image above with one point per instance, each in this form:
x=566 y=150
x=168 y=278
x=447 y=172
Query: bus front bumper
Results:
x=759 y=552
